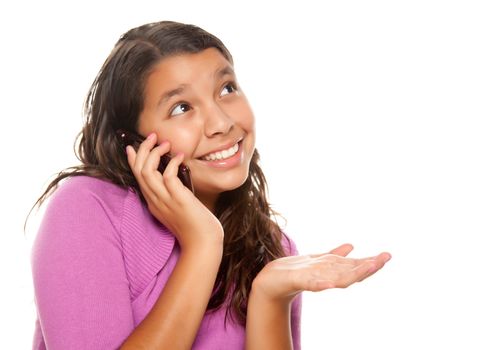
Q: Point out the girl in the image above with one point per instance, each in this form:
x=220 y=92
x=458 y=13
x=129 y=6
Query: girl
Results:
x=129 y=257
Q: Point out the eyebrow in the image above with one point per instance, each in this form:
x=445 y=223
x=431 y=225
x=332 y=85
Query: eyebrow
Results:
x=168 y=94
x=227 y=70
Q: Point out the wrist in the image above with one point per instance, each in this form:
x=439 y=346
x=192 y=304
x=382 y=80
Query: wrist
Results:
x=273 y=307
x=207 y=248
x=261 y=291
x=266 y=286
x=208 y=242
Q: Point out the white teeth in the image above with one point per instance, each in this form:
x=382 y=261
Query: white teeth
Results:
x=222 y=154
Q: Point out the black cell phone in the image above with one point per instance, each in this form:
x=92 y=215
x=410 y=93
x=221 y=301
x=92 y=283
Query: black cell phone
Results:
x=129 y=138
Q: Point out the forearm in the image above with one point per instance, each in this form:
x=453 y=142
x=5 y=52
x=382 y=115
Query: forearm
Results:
x=175 y=318
x=268 y=323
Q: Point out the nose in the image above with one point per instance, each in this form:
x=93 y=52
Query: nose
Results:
x=217 y=121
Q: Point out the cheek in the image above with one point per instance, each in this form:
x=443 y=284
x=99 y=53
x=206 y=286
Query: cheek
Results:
x=182 y=138
x=249 y=123
x=244 y=116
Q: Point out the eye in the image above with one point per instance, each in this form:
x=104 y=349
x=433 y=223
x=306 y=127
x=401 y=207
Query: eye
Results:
x=230 y=87
x=180 y=108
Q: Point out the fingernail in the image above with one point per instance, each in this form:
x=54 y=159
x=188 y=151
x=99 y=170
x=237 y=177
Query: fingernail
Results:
x=150 y=136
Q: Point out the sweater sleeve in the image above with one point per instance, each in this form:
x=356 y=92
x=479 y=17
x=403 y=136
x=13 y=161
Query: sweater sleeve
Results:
x=80 y=284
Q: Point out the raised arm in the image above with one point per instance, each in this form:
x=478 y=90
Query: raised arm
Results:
x=175 y=318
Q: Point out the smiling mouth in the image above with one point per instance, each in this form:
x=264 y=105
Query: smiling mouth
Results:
x=222 y=155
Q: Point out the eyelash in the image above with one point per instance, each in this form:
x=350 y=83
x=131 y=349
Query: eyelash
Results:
x=232 y=84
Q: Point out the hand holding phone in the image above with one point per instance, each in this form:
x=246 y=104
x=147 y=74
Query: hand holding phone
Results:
x=193 y=224
x=128 y=138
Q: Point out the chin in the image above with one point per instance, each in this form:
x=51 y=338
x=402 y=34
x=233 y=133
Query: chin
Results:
x=219 y=184
x=234 y=185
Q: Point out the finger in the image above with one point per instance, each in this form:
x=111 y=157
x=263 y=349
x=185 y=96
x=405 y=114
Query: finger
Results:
x=136 y=162
x=151 y=174
x=365 y=270
x=379 y=262
x=384 y=257
x=153 y=158
x=143 y=151
x=357 y=274
x=170 y=176
x=371 y=271
x=131 y=156
x=131 y=159
x=381 y=258
x=342 y=250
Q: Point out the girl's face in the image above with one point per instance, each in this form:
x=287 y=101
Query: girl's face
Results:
x=194 y=102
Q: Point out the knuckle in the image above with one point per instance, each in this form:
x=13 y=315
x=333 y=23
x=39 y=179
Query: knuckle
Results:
x=145 y=173
x=167 y=177
x=137 y=173
x=181 y=202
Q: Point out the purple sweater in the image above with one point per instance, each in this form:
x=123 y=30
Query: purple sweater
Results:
x=99 y=262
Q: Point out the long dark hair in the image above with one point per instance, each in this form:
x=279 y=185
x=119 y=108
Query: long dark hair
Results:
x=115 y=100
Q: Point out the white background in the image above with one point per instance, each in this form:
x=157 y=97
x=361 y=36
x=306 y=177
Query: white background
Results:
x=372 y=125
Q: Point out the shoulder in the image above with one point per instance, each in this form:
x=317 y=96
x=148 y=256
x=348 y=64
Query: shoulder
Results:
x=83 y=207
x=96 y=215
x=85 y=195
x=77 y=187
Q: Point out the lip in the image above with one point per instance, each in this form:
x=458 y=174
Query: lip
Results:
x=228 y=162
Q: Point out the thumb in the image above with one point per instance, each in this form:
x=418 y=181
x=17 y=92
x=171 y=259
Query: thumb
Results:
x=342 y=250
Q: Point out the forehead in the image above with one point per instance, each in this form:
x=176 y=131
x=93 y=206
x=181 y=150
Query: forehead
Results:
x=186 y=68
